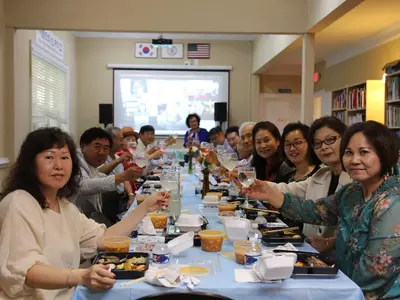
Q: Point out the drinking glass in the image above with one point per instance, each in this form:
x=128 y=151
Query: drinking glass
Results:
x=141 y=159
x=206 y=148
x=246 y=176
x=162 y=146
x=229 y=161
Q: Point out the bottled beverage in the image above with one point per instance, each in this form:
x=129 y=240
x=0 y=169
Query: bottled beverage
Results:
x=254 y=253
x=161 y=255
x=260 y=218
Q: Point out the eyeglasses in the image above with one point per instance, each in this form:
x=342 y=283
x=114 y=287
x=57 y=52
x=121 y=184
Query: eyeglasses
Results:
x=297 y=144
x=327 y=141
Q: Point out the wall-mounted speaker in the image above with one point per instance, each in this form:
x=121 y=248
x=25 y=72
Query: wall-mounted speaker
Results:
x=106 y=114
x=220 y=112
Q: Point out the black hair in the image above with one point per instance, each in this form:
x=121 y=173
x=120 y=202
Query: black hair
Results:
x=327 y=121
x=215 y=130
x=232 y=129
x=23 y=175
x=192 y=116
x=146 y=128
x=92 y=134
x=381 y=138
x=304 y=129
x=260 y=163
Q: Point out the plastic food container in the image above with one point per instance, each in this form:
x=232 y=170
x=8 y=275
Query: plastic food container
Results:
x=159 y=220
x=211 y=240
x=227 y=207
x=236 y=229
x=181 y=243
x=241 y=247
x=117 y=244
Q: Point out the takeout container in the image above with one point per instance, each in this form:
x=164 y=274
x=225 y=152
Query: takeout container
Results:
x=280 y=238
x=275 y=266
x=189 y=222
x=237 y=229
x=227 y=207
x=211 y=199
x=181 y=243
x=122 y=274
x=223 y=218
x=312 y=271
x=211 y=240
x=117 y=244
x=159 y=220
x=241 y=247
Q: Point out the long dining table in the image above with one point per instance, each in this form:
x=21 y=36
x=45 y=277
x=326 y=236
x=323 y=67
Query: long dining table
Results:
x=221 y=279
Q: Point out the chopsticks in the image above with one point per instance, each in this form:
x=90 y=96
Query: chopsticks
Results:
x=262 y=210
x=280 y=230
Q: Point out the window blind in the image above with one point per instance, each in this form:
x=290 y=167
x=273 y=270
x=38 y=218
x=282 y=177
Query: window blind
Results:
x=49 y=93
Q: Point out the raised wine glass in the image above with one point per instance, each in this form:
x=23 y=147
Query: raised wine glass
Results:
x=141 y=159
x=246 y=176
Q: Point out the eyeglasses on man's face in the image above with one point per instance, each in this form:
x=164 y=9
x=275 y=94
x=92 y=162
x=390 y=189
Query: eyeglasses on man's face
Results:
x=329 y=140
x=297 y=144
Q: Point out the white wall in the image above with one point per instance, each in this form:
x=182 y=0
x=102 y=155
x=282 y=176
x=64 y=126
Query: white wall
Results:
x=280 y=109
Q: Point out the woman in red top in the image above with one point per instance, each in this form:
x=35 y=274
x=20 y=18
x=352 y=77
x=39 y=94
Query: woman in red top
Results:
x=128 y=136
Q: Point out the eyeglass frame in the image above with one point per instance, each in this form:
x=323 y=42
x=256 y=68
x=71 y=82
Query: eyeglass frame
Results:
x=334 y=139
x=287 y=146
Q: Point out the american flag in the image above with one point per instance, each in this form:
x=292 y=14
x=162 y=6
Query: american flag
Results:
x=198 y=51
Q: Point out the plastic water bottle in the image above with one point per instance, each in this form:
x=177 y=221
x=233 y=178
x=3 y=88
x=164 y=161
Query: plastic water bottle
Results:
x=260 y=218
x=252 y=256
x=161 y=255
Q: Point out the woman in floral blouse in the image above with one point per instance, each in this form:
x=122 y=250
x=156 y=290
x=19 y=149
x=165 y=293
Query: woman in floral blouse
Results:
x=367 y=211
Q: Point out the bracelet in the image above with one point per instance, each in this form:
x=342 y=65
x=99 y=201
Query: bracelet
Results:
x=67 y=280
x=131 y=194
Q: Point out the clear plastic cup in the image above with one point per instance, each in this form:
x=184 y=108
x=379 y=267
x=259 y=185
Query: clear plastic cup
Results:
x=117 y=244
x=211 y=240
x=159 y=220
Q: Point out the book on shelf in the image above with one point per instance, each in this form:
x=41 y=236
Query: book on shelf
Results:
x=341 y=115
x=356 y=98
x=393 y=88
x=355 y=119
x=393 y=116
x=339 y=101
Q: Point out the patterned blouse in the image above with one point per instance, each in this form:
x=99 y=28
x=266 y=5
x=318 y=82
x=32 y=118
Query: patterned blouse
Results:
x=368 y=241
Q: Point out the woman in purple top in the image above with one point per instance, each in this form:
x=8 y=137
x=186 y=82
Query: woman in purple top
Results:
x=195 y=135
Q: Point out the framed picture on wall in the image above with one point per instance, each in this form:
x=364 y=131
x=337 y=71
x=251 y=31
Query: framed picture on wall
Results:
x=145 y=50
x=175 y=51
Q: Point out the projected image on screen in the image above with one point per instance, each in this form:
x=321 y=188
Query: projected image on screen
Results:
x=165 y=98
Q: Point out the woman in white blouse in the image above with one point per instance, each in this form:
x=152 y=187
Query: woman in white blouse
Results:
x=42 y=235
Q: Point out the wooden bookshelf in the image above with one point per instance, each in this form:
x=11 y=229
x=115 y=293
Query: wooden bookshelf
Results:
x=339 y=100
x=350 y=104
x=392 y=102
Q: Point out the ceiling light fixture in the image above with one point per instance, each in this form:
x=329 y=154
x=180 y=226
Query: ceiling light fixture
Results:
x=162 y=42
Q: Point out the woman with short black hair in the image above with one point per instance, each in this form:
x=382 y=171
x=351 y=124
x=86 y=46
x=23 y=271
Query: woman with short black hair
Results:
x=195 y=135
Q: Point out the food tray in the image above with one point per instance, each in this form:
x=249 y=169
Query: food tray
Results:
x=121 y=274
x=308 y=271
x=280 y=238
x=224 y=191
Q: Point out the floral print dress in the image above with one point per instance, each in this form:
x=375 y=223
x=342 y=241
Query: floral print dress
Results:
x=368 y=240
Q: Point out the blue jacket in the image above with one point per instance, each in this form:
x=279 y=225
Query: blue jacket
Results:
x=202 y=136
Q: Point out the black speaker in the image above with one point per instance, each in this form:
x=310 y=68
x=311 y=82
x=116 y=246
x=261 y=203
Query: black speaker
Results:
x=220 y=112
x=106 y=114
